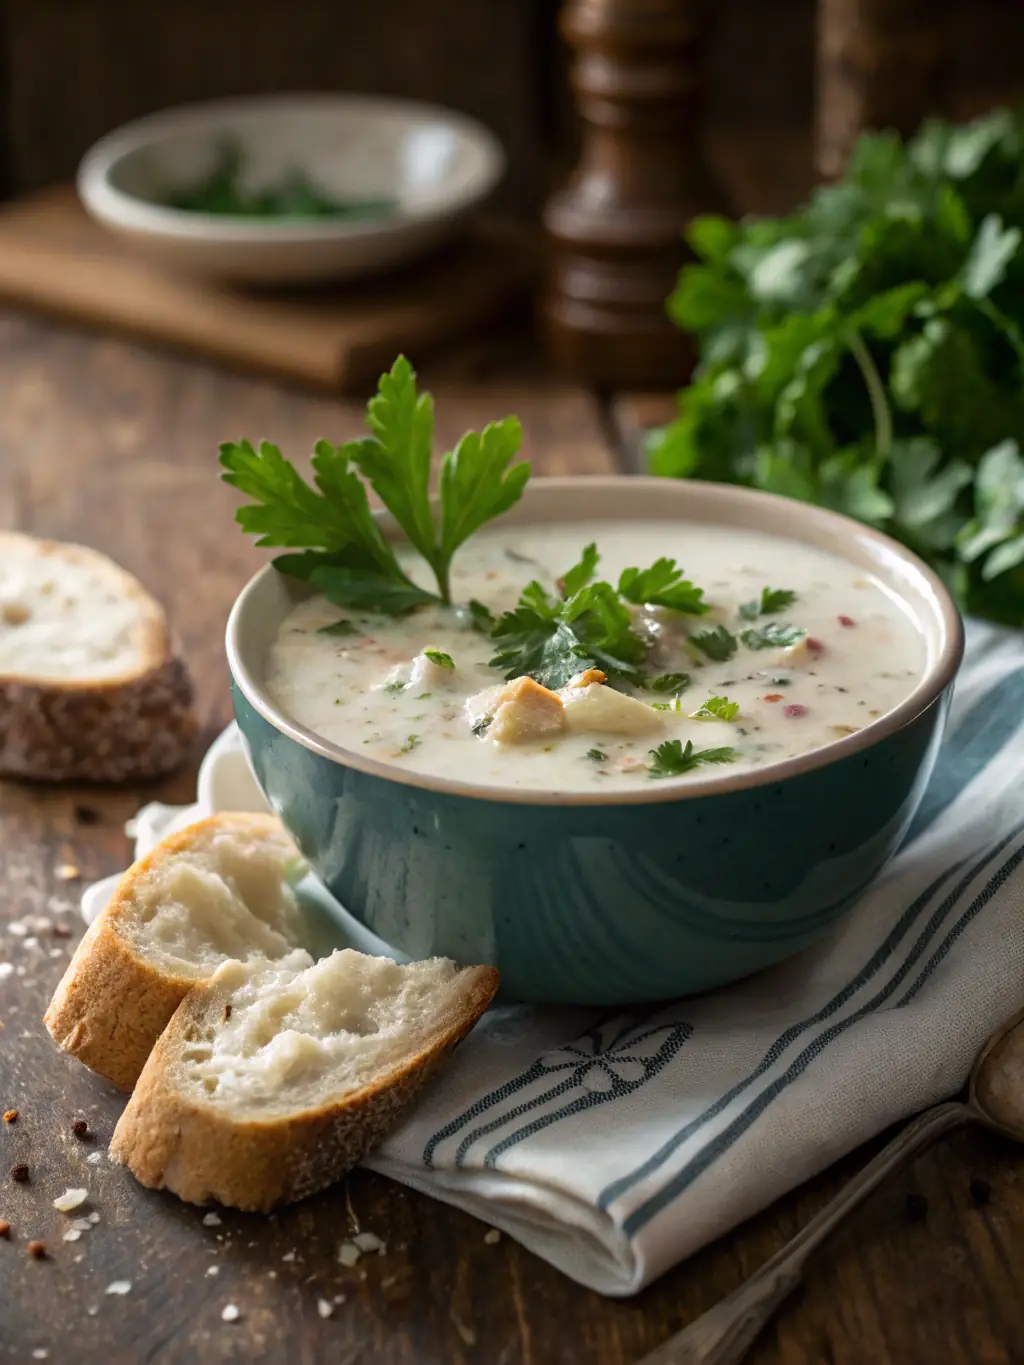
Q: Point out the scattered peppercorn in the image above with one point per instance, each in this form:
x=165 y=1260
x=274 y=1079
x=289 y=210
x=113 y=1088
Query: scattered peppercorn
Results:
x=61 y=930
x=85 y=815
x=917 y=1207
x=10 y=1116
x=981 y=1191
x=227 y=1012
x=37 y=1250
x=80 y=1128
x=19 y=1173
x=5 y=1229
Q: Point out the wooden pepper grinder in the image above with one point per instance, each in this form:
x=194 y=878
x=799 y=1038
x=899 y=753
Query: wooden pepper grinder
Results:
x=616 y=228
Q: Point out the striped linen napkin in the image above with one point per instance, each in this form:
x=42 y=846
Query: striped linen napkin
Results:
x=614 y=1145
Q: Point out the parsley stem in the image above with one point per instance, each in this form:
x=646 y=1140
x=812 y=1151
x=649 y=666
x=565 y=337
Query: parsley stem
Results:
x=442 y=572
x=876 y=393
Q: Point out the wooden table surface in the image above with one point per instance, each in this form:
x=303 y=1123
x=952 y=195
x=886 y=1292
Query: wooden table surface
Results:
x=114 y=445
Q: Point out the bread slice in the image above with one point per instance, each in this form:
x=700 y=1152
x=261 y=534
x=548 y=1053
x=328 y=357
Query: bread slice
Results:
x=91 y=686
x=271 y=1081
x=218 y=890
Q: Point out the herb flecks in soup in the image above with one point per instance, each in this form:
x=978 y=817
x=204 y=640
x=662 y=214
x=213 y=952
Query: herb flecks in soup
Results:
x=724 y=690
x=558 y=657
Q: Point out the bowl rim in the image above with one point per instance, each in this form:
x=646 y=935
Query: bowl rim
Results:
x=936 y=678
x=117 y=208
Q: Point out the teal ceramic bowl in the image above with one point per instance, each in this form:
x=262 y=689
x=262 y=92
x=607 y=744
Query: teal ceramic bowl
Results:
x=589 y=898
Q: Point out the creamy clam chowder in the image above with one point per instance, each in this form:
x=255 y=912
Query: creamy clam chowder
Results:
x=797 y=649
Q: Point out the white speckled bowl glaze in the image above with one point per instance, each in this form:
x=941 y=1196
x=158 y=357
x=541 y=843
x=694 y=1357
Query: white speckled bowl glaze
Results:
x=434 y=163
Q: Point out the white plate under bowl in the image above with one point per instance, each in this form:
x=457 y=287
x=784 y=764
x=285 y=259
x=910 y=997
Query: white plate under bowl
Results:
x=433 y=163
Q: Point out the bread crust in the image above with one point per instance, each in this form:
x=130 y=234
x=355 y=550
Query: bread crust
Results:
x=112 y=1004
x=133 y=726
x=169 y=1140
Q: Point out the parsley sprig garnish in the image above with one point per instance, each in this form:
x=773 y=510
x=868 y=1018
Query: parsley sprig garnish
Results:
x=342 y=549
x=771 y=601
x=590 y=625
x=718 y=644
x=716 y=708
x=772 y=636
x=672 y=758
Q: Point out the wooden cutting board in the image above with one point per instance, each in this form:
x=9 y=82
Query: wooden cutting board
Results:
x=55 y=258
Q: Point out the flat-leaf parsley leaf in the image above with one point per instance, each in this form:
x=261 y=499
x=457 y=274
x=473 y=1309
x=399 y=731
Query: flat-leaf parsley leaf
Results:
x=718 y=644
x=716 y=708
x=438 y=656
x=772 y=636
x=672 y=759
x=670 y=682
x=662 y=585
x=772 y=600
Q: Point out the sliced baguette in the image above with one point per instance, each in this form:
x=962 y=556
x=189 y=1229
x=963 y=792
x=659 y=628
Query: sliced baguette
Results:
x=217 y=890
x=271 y=1081
x=91 y=686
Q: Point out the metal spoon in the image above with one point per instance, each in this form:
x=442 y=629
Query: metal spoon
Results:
x=995 y=1097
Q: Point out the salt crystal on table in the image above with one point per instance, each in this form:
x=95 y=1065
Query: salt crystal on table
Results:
x=369 y=1241
x=119 y=1287
x=213 y=1270
x=70 y=1199
x=493 y=1236
x=230 y=1313
x=212 y=1220
x=348 y=1253
x=324 y=1308
x=72 y=1235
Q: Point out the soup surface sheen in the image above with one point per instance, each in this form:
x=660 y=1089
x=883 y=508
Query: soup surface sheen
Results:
x=860 y=655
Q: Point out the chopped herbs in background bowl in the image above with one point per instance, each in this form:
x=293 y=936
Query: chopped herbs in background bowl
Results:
x=295 y=194
x=290 y=189
x=867 y=352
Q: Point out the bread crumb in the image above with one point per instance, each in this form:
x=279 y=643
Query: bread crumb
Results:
x=230 y=1313
x=5 y=1229
x=119 y=1287
x=82 y=1224
x=369 y=1241
x=67 y=872
x=212 y=1220
x=348 y=1253
x=93 y=1218
x=324 y=1308
x=10 y=1116
x=72 y=1235
x=70 y=1200
x=493 y=1236
x=213 y=1270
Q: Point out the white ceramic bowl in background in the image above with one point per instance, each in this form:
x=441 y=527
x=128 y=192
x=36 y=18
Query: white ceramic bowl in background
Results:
x=434 y=163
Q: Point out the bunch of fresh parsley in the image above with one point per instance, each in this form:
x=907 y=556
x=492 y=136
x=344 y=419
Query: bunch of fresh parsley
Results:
x=867 y=352
x=342 y=549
